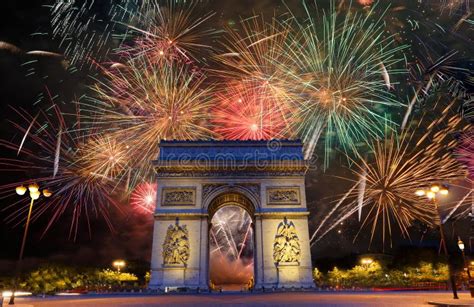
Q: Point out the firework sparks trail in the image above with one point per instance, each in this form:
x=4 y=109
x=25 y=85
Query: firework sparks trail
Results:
x=151 y=101
x=340 y=219
x=143 y=198
x=75 y=189
x=217 y=246
x=360 y=197
x=228 y=232
x=453 y=6
x=340 y=84
x=333 y=210
x=26 y=134
x=222 y=229
x=233 y=237
x=311 y=145
x=402 y=164
x=166 y=33
x=85 y=36
x=105 y=157
x=465 y=151
x=433 y=73
x=243 y=245
x=412 y=102
x=250 y=70
x=10 y=47
x=57 y=153
x=252 y=53
x=456 y=206
x=247 y=114
x=465 y=154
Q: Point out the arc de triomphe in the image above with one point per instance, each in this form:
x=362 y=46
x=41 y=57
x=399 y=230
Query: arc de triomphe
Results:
x=196 y=178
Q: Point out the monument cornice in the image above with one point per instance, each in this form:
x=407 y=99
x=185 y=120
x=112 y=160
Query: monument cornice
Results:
x=163 y=174
x=271 y=215
x=193 y=169
x=230 y=143
x=174 y=215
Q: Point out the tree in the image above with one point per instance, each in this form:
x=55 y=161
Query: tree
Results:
x=337 y=277
x=51 y=279
x=318 y=277
x=374 y=275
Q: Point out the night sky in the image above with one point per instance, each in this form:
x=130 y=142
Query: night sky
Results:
x=26 y=84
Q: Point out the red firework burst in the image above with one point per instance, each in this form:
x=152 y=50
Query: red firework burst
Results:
x=248 y=113
x=143 y=198
x=365 y=2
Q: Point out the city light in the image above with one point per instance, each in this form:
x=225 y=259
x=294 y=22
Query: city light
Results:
x=119 y=264
x=21 y=190
x=366 y=261
x=420 y=192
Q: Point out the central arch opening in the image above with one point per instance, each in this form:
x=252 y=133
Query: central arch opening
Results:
x=231 y=246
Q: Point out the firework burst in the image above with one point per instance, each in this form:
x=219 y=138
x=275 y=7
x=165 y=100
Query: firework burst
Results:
x=143 y=103
x=401 y=165
x=105 y=157
x=231 y=233
x=85 y=29
x=251 y=54
x=143 y=198
x=341 y=69
x=250 y=60
x=248 y=114
x=166 y=33
x=56 y=158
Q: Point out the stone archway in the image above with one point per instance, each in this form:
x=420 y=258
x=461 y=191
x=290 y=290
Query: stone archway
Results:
x=227 y=198
x=231 y=242
x=198 y=178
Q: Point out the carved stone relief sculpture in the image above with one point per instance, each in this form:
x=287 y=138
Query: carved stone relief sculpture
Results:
x=176 y=245
x=178 y=196
x=286 y=247
x=283 y=196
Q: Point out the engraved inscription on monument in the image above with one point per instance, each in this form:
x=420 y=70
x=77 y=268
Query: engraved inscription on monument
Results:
x=283 y=196
x=178 y=196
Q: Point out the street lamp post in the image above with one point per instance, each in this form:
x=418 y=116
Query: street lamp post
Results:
x=118 y=264
x=431 y=194
x=466 y=265
x=366 y=262
x=34 y=195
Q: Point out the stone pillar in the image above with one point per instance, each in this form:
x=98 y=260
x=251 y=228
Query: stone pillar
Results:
x=204 y=255
x=288 y=274
x=156 y=258
x=306 y=266
x=174 y=274
x=297 y=274
x=258 y=255
x=180 y=274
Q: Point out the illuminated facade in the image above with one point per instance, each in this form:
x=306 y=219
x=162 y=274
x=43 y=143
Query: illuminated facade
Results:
x=197 y=178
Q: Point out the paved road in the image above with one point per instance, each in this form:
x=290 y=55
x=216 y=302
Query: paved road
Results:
x=264 y=299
